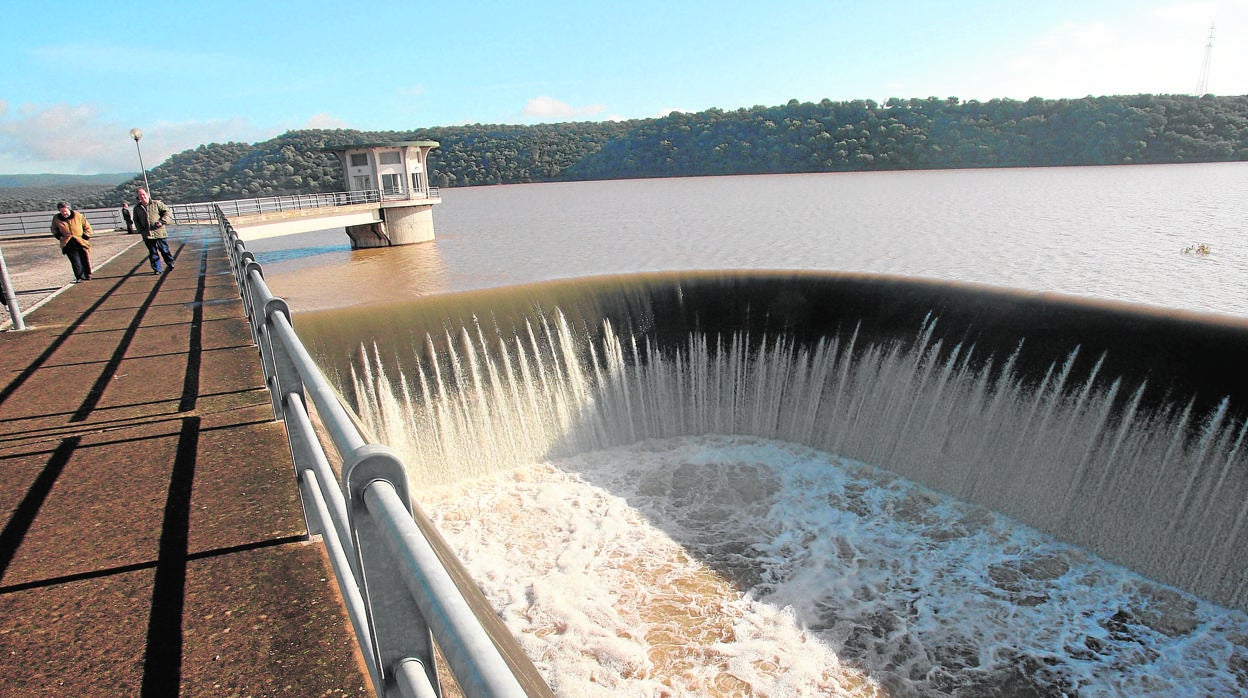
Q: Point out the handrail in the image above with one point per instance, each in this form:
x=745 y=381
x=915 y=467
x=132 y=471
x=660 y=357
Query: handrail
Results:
x=205 y=212
x=401 y=594
x=37 y=222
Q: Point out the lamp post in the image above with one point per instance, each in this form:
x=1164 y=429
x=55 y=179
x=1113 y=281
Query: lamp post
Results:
x=136 y=134
x=10 y=296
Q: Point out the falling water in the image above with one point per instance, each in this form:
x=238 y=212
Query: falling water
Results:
x=1067 y=459
x=569 y=416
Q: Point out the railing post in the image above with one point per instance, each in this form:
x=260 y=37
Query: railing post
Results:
x=398 y=628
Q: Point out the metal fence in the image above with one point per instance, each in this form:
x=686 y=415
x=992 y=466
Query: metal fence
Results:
x=206 y=212
x=395 y=572
x=39 y=222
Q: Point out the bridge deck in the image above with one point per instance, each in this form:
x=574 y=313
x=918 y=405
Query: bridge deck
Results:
x=153 y=540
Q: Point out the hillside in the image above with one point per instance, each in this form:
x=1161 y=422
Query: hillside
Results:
x=57 y=180
x=41 y=192
x=796 y=137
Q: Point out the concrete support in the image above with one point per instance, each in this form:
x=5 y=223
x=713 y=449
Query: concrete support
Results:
x=403 y=223
x=368 y=235
x=407 y=223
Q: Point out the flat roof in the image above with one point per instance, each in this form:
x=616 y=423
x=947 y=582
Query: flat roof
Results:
x=389 y=144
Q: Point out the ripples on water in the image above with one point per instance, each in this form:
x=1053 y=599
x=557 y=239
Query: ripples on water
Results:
x=739 y=566
x=733 y=566
x=1108 y=232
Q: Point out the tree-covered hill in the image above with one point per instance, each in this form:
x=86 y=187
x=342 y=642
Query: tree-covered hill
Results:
x=930 y=133
x=56 y=180
x=796 y=137
x=41 y=192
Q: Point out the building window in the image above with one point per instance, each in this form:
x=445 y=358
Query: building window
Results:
x=392 y=183
x=359 y=159
x=391 y=157
x=362 y=182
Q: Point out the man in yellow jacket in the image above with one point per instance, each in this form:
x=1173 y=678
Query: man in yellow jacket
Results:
x=73 y=231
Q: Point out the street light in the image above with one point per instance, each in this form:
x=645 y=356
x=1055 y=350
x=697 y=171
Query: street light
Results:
x=136 y=134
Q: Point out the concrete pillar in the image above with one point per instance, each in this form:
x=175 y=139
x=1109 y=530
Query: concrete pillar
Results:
x=402 y=224
x=368 y=235
x=407 y=224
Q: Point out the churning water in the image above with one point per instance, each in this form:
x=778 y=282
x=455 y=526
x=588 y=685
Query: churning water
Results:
x=706 y=566
x=652 y=517
x=807 y=508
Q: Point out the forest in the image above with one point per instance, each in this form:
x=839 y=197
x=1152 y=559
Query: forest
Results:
x=828 y=136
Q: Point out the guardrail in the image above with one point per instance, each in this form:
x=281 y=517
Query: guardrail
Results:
x=396 y=574
x=40 y=222
x=204 y=212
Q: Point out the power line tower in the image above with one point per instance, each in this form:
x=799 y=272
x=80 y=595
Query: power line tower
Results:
x=1202 y=86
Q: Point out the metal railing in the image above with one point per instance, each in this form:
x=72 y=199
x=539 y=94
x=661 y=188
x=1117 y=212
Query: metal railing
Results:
x=200 y=212
x=40 y=222
x=401 y=595
x=205 y=212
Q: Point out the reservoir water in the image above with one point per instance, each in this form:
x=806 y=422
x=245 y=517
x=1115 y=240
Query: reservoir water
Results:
x=1107 y=232
x=710 y=511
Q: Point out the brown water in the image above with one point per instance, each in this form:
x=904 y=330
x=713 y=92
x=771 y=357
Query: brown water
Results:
x=1109 y=232
x=713 y=565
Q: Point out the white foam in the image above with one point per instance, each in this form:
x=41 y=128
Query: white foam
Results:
x=1078 y=458
x=736 y=565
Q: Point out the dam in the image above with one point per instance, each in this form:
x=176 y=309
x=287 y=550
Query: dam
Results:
x=1112 y=432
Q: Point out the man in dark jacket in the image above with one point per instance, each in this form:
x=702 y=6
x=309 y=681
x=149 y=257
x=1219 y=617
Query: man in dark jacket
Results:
x=125 y=216
x=152 y=217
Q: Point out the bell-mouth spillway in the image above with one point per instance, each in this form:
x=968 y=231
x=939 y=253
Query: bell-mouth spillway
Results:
x=1115 y=427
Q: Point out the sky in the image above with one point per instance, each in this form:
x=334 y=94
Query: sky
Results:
x=78 y=75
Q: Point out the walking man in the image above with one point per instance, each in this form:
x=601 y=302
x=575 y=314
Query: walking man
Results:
x=72 y=230
x=151 y=217
x=125 y=216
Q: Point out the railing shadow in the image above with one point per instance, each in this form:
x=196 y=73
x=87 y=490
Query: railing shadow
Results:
x=163 y=656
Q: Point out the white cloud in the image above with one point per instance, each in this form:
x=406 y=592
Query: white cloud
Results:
x=324 y=120
x=549 y=108
x=82 y=139
x=1157 y=49
x=412 y=91
x=1157 y=52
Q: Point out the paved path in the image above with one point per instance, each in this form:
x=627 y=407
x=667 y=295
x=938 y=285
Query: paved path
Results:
x=152 y=539
x=39 y=271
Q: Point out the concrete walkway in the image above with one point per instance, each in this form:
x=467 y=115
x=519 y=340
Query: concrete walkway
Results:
x=152 y=541
x=40 y=272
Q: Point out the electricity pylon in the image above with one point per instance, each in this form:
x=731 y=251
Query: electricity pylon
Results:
x=1202 y=85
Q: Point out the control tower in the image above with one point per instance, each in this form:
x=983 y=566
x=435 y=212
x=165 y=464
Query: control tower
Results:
x=398 y=172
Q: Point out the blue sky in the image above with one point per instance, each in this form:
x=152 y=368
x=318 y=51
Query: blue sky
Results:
x=78 y=75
